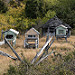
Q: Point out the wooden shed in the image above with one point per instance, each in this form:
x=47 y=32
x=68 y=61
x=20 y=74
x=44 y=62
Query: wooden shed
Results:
x=56 y=28
x=10 y=35
x=31 y=38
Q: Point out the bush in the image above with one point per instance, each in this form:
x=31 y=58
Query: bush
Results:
x=11 y=70
x=74 y=52
x=68 y=57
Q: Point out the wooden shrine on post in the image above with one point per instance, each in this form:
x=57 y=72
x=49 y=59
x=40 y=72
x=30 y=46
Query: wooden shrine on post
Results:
x=57 y=28
x=31 y=39
x=10 y=35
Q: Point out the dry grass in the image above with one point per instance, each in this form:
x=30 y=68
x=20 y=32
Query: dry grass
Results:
x=59 y=46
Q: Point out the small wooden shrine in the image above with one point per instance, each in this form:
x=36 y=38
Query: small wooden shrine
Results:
x=31 y=39
x=10 y=35
x=56 y=28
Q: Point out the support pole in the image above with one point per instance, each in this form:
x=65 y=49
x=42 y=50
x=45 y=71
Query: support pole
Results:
x=66 y=39
x=43 y=58
x=5 y=54
x=38 y=54
x=36 y=44
x=24 y=43
x=47 y=49
x=13 y=50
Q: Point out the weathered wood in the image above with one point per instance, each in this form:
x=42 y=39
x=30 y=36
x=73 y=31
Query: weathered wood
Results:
x=5 y=54
x=10 y=35
x=47 y=49
x=53 y=23
x=32 y=35
x=44 y=58
x=2 y=42
x=26 y=44
x=38 y=54
x=13 y=50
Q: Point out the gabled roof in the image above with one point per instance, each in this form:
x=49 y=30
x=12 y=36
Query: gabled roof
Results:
x=61 y=26
x=12 y=30
x=54 y=22
x=35 y=30
x=32 y=31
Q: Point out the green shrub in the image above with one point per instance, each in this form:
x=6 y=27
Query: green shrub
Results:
x=74 y=52
x=68 y=57
x=11 y=70
x=3 y=7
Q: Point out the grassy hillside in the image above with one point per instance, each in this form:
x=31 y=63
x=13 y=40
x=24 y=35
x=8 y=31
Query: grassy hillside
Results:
x=65 y=52
x=24 y=14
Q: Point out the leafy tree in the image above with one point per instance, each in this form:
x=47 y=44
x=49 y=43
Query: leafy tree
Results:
x=35 y=8
x=50 y=14
x=65 y=10
x=3 y=7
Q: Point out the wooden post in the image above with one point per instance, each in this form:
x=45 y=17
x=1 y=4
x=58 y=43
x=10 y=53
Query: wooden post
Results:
x=13 y=50
x=38 y=54
x=36 y=43
x=66 y=39
x=46 y=51
x=24 y=43
x=43 y=58
x=5 y=54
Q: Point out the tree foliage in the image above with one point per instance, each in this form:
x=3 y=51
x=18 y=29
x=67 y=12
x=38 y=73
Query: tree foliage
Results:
x=65 y=10
x=24 y=14
x=34 y=8
x=3 y=7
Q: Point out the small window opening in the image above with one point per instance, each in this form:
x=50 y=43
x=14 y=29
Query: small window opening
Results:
x=61 y=31
x=9 y=36
x=31 y=35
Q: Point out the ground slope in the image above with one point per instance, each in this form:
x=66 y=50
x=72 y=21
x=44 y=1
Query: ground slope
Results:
x=59 y=46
